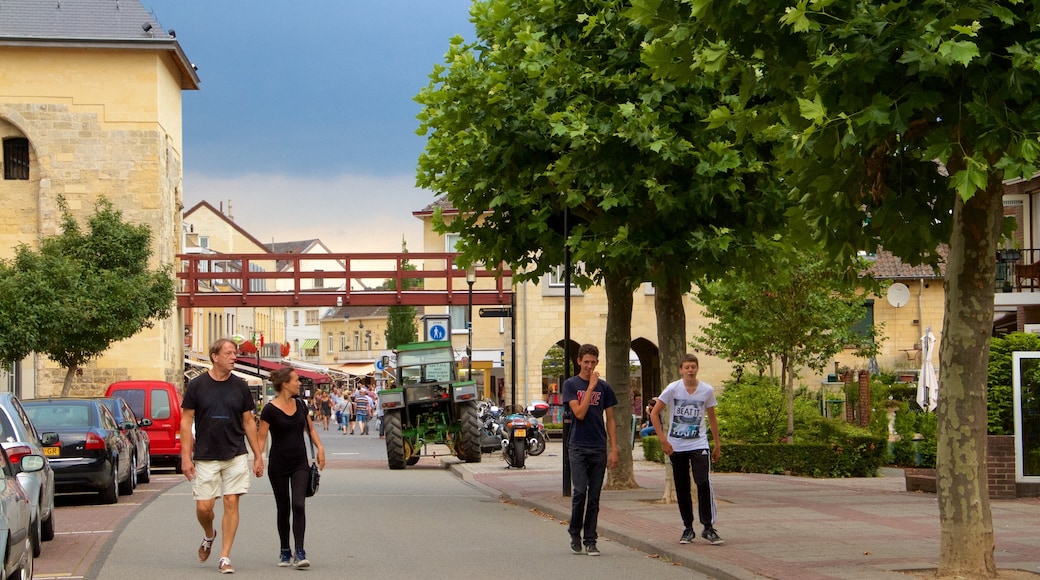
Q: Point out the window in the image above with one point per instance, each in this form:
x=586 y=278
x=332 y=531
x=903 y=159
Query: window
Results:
x=329 y=350
x=296 y=318
x=862 y=328
x=357 y=340
x=312 y=317
x=319 y=278
x=160 y=405
x=556 y=276
x=458 y=318
x=553 y=282
x=16 y=158
x=343 y=341
x=204 y=242
x=451 y=243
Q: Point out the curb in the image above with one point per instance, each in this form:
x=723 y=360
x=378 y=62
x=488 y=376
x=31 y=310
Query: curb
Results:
x=717 y=570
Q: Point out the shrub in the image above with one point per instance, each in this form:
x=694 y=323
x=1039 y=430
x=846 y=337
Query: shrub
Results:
x=753 y=409
x=851 y=457
x=652 y=449
x=909 y=423
x=999 y=392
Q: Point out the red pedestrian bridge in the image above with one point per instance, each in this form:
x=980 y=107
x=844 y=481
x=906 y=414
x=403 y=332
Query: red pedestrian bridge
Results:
x=415 y=279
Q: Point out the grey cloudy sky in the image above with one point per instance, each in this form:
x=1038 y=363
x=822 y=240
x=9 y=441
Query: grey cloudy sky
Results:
x=305 y=119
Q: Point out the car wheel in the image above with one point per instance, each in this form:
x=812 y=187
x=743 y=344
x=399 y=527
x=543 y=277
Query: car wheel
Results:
x=126 y=487
x=47 y=528
x=35 y=536
x=109 y=494
x=25 y=568
x=146 y=473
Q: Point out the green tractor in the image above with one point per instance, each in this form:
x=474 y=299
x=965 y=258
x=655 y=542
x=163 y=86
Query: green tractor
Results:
x=429 y=404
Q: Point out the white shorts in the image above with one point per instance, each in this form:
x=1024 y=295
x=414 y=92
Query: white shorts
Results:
x=214 y=478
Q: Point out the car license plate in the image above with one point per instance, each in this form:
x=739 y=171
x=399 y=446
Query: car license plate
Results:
x=52 y=451
x=520 y=432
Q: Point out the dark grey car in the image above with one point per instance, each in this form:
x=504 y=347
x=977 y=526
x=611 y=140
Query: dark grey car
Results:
x=19 y=438
x=133 y=430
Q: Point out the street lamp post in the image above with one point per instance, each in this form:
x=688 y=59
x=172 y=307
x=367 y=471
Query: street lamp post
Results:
x=471 y=277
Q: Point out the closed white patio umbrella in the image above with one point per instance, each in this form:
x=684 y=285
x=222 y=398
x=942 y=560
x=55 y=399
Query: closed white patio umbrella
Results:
x=928 y=383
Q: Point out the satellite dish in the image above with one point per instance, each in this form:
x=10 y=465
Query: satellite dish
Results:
x=898 y=295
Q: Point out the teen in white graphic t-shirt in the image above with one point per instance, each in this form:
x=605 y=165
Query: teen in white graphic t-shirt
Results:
x=686 y=445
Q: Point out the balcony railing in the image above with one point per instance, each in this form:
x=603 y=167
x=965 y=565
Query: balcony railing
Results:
x=1018 y=270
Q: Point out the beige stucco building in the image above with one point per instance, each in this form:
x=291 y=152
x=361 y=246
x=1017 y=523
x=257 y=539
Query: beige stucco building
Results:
x=90 y=106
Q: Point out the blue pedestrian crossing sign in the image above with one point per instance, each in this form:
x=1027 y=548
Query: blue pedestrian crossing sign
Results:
x=438 y=332
x=436 y=327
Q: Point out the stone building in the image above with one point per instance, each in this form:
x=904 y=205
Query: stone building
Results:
x=90 y=106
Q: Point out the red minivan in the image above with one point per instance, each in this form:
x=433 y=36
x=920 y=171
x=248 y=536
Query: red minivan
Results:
x=159 y=401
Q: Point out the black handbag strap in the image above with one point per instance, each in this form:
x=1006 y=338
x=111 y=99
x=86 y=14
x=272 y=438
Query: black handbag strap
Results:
x=313 y=456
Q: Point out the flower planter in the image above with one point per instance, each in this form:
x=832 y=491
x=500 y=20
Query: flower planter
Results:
x=920 y=479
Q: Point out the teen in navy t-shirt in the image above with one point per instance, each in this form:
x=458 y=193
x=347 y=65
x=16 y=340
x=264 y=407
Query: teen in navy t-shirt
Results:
x=592 y=446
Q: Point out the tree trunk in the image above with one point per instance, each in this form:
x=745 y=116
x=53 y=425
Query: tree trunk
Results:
x=66 y=387
x=618 y=343
x=787 y=377
x=966 y=544
x=671 y=338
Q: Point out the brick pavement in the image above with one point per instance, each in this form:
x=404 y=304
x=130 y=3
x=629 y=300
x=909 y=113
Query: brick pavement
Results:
x=775 y=526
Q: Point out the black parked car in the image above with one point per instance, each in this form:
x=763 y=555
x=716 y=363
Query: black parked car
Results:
x=91 y=452
x=133 y=430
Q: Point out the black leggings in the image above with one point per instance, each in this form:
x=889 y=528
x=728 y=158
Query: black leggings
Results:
x=296 y=482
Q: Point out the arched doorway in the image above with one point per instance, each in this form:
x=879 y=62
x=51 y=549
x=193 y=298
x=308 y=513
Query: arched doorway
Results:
x=649 y=371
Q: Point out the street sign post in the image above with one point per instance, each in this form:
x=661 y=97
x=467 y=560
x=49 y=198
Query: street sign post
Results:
x=496 y=312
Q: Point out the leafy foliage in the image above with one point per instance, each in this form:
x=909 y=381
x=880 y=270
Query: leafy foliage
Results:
x=900 y=121
x=552 y=364
x=858 y=456
x=82 y=291
x=551 y=112
x=799 y=313
x=400 y=321
x=1000 y=393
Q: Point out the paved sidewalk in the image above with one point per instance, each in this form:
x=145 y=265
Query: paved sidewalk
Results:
x=774 y=526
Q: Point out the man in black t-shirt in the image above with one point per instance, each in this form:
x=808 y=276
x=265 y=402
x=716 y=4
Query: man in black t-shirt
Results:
x=215 y=459
x=592 y=446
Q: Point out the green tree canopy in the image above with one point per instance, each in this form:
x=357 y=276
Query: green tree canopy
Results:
x=551 y=110
x=801 y=314
x=82 y=291
x=900 y=121
x=400 y=320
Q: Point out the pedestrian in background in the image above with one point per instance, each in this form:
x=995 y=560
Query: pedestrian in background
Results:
x=215 y=458
x=287 y=420
x=592 y=446
x=362 y=405
x=692 y=401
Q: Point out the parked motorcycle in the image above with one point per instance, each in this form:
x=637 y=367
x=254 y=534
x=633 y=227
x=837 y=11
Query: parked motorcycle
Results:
x=517 y=434
x=536 y=437
x=490 y=427
x=514 y=440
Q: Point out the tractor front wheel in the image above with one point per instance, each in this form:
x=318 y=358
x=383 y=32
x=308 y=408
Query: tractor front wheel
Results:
x=395 y=452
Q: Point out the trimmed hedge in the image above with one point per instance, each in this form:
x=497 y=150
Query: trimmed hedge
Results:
x=853 y=457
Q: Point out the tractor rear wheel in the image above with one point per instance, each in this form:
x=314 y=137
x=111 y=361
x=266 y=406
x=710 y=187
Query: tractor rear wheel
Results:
x=469 y=435
x=395 y=452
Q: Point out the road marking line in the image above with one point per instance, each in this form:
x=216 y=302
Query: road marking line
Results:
x=68 y=575
x=355 y=453
x=84 y=532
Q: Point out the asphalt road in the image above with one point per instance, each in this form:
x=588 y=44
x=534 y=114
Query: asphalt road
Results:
x=368 y=521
